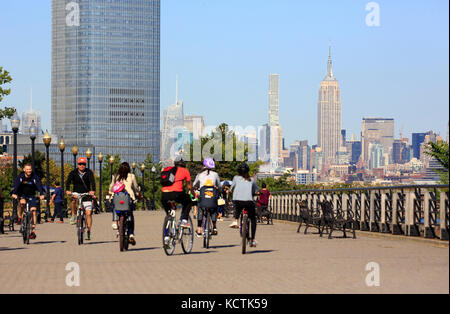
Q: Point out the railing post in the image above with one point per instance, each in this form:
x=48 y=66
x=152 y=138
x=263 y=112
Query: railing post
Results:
x=443 y=211
x=413 y=228
x=384 y=225
x=345 y=206
x=364 y=222
x=279 y=206
x=428 y=230
x=356 y=210
x=396 y=229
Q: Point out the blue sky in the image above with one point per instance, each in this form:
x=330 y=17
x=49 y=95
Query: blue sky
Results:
x=223 y=52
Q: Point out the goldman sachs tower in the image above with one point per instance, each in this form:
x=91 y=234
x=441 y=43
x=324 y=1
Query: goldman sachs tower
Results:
x=106 y=76
x=329 y=114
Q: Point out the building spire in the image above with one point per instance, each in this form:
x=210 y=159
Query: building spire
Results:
x=330 y=75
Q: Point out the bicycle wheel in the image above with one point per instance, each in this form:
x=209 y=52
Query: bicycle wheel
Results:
x=169 y=232
x=187 y=238
x=244 y=233
x=208 y=232
x=80 y=228
x=123 y=235
x=24 y=229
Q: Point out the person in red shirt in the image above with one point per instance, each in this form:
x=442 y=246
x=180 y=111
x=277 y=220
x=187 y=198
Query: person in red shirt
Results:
x=263 y=200
x=175 y=192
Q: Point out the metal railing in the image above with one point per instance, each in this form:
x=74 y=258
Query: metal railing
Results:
x=411 y=210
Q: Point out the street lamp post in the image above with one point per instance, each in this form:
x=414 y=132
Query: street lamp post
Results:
x=134 y=165
x=143 y=185
x=33 y=134
x=111 y=163
x=75 y=153
x=100 y=160
x=47 y=140
x=154 y=176
x=15 y=124
x=89 y=156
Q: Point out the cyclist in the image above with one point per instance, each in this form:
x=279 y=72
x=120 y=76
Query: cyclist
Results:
x=244 y=188
x=207 y=177
x=25 y=187
x=125 y=176
x=175 y=192
x=263 y=200
x=83 y=182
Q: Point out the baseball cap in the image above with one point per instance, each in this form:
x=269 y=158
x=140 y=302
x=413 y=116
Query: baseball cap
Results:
x=82 y=160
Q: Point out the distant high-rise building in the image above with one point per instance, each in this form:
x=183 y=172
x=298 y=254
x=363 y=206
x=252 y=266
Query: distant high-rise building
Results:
x=329 y=114
x=173 y=129
x=343 y=137
x=376 y=158
x=274 y=96
x=30 y=117
x=417 y=140
x=376 y=130
x=354 y=149
x=106 y=76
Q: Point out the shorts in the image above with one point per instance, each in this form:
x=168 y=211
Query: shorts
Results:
x=31 y=200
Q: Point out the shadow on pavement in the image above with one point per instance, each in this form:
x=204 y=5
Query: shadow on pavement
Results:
x=223 y=246
x=11 y=249
x=260 y=251
x=47 y=242
x=99 y=242
x=144 y=249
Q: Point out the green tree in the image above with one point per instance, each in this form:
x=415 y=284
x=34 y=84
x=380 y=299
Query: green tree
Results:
x=39 y=163
x=440 y=152
x=5 y=78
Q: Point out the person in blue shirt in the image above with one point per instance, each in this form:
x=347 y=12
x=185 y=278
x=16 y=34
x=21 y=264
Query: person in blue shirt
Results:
x=57 y=199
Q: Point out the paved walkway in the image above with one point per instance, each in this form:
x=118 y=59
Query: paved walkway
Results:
x=284 y=262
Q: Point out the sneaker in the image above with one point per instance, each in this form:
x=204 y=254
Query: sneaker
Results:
x=199 y=235
x=33 y=235
x=60 y=222
x=88 y=235
x=50 y=221
x=214 y=233
x=19 y=221
x=253 y=243
x=184 y=224
x=114 y=225
x=166 y=240
x=234 y=225
x=73 y=220
x=132 y=240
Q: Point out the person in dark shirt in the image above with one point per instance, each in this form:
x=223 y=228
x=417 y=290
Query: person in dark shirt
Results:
x=25 y=187
x=57 y=199
x=263 y=200
x=83 y=181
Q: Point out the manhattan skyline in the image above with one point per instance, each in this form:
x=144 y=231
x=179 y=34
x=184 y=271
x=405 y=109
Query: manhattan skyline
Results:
x=224 y=52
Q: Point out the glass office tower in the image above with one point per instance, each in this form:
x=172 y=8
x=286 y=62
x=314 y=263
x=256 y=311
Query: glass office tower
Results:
x=106 y=75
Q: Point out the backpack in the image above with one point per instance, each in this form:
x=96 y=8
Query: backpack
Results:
x=121 y=201
x=208 y=197
x=168 y=176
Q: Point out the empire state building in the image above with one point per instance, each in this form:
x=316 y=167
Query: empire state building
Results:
x=329 y=114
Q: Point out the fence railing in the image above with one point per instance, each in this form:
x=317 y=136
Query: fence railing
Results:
x=411 y=210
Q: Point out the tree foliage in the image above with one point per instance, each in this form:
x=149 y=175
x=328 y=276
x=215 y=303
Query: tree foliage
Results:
x=440 y=152
x=5 y=78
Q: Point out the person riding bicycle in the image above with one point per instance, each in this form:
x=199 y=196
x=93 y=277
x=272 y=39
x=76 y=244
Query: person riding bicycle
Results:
x=244 y=188
x=83 y=181
x=25 y=187
x=207 y=177
x=263 y=200
x=129 y=181
x=175 y=192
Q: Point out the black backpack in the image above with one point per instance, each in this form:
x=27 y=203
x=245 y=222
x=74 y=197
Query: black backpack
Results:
x=209 y=196
x=168 y=176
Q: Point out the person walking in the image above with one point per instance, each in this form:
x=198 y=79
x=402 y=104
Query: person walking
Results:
x=57 y=199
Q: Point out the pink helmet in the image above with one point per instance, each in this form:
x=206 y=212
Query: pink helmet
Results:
x=118 y=187
x=209 y=163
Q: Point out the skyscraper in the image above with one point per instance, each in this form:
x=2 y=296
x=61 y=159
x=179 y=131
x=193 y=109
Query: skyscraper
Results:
x=329 y=114
x=106 y=75
x=377 y=130
x=274 y=95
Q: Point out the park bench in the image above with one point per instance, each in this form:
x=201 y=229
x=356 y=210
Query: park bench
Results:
x=335 y=220
x=309 y=217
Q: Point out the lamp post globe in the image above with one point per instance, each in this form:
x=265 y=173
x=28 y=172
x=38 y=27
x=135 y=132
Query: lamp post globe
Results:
x=89 y=156
x=75 y=153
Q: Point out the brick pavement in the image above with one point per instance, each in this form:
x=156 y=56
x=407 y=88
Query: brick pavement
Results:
x=284 y=262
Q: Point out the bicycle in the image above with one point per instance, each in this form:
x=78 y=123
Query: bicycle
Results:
x=172 y=232
x=244 y=230
x=207 y=227
x=81 y=216
x=124 y=237
x=25 y=228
